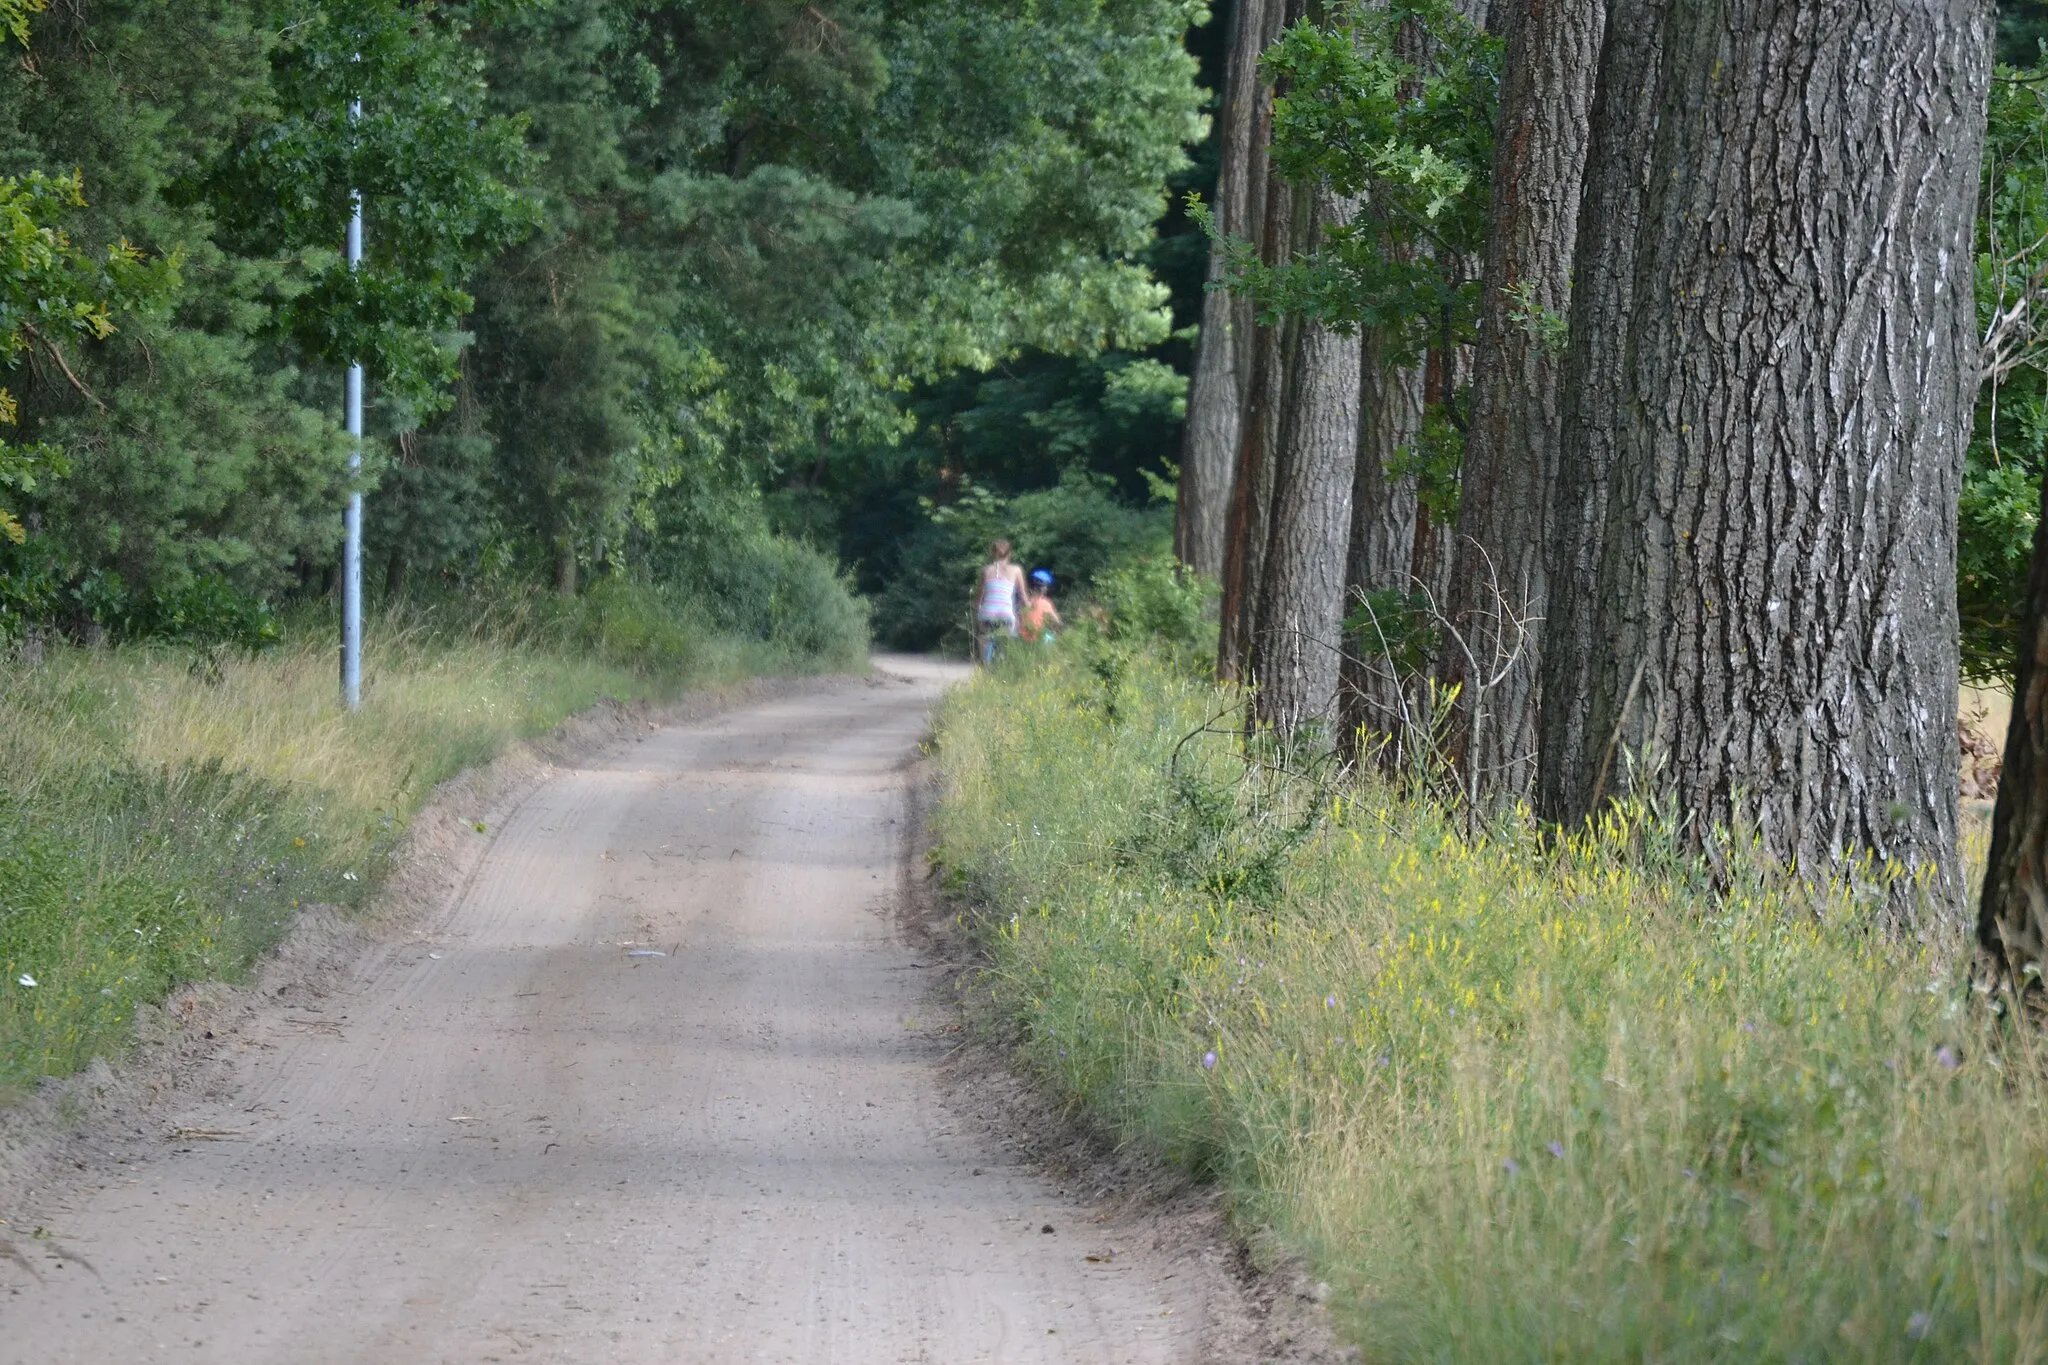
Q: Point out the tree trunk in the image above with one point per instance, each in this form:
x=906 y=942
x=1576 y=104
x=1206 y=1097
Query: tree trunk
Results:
x=1301 y=599
x=1775 y=612
x=1621 y=128
x=2012 y=917
x=1216 y=395
x=1251 y=498
x=1373 y=701
x=1498 y=590
x=1259 y=436
x=565 y=566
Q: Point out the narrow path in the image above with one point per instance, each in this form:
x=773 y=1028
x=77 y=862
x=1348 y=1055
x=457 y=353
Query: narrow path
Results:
x=520 y=1136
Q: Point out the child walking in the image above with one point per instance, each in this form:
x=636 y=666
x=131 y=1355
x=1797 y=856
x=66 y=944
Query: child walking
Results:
x=1040 y=615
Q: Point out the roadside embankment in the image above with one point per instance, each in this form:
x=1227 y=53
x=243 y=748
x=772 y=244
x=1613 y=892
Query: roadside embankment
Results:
x=165 y=812
x=1512 y=1102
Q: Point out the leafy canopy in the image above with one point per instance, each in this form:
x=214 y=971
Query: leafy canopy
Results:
x=1395 y=105
x=439 y=176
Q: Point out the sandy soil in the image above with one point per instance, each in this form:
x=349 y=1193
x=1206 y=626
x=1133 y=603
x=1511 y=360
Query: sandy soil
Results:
x=661 y=1080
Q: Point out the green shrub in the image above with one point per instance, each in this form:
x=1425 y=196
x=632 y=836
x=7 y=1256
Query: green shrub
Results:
x=1149 y=599
x=781 y=593
x=43 y=589
x=723 y=565
x=1077 y=529
x=634 y=625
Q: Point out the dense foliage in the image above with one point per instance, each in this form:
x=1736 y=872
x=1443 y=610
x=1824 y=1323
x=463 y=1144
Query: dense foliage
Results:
x=631 y=264
x=1395 y=106
x=2002 y=481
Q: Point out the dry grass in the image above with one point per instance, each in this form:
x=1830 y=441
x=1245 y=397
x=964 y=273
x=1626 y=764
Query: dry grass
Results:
x=1513 y=1102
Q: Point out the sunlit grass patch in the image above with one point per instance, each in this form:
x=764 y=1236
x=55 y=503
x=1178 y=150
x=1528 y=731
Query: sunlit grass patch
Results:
x=1514 y=1100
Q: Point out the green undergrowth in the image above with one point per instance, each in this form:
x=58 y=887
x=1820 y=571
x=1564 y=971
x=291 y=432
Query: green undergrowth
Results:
x=165 y=810
x=1514 y=1102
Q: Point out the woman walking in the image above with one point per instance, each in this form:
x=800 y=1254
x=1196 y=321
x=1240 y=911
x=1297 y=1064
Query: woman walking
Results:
x=996 y=595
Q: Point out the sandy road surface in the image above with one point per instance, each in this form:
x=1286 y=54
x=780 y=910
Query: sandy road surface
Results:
x=512 y=1139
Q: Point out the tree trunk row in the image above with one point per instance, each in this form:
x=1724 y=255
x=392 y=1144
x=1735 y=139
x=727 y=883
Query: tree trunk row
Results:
x=1261 y=429
x=1706 y=542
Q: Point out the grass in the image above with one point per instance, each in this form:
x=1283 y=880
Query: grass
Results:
x=1514 y=1102
x=164 y=812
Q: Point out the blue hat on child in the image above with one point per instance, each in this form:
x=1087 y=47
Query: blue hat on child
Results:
x=1041 y=577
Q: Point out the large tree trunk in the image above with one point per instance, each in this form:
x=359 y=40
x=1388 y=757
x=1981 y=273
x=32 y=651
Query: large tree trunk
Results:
x=1498 y=583
x=1373 y=699
x=1209 y=439
x=1775 y=613
x=1572 y=762
x=2012 y=918
x=1301 y=599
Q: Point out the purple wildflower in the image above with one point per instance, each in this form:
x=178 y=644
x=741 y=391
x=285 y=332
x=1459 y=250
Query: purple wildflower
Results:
x=1510 y=1165
x=1919 y=1325
x=1329 y=1002
x=1556 y=1149
x=1948 y=1058
x=1208 y=1061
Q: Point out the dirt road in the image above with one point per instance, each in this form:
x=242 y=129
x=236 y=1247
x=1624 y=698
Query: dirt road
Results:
x=658 y=1085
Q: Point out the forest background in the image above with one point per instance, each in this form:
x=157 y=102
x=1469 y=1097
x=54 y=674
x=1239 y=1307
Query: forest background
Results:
x=652 y=284
x=647 y=284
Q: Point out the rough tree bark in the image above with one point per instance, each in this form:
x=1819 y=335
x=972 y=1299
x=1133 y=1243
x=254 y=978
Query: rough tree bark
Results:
x=1259 y=431
x=1371 y=700
x=1251 y=500
x=1216 y=395
x=1775 y=610
x=2012 y=917
x=1498 y=581
x=1301 y=594
x=1621 y=130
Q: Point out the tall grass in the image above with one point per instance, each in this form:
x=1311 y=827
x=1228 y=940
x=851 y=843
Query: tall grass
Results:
x=164 y=811
x=1514 y=1101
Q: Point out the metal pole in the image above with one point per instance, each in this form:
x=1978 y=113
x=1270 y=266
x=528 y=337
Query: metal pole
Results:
x=352 y=547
